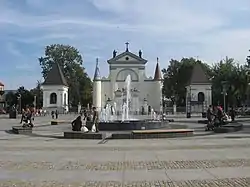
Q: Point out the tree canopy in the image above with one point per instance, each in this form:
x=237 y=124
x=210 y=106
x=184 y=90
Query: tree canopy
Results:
x=37 y=92
x=27 y=98
x=178 y=74
x=176 y=78
x=70 y=60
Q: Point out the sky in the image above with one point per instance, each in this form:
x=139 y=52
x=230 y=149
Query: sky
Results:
x=207 y=30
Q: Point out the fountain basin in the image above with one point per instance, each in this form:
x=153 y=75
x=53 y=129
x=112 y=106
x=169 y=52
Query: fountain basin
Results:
x=119 y=125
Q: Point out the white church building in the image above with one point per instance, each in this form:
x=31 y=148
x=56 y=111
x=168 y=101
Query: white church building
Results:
x=146 y=92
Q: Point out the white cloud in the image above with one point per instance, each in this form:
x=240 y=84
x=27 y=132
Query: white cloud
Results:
x=162 y=15
x=162 y=28
x=11 y=48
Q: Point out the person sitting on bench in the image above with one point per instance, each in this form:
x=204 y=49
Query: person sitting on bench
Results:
x=77 y=124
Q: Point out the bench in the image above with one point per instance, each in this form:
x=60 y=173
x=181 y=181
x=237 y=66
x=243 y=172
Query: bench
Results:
x=56 y=122
x=230 y=127
x=162 y=133
x=82 y=135
x=21 y=130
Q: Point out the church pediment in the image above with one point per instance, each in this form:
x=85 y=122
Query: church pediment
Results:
x=127 y=58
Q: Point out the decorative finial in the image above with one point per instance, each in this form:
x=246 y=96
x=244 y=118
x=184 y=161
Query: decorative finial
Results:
x=157 y=59
x=97 y=61
x=127 y=46
x=114 y=53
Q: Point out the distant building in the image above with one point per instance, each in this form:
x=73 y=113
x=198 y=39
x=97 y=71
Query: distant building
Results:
x=199 y=92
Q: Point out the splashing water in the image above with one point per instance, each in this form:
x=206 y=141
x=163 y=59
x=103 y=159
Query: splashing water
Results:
x=128 y=96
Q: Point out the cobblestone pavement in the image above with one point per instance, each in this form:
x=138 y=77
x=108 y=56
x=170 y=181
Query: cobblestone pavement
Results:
x=122 y=148
x=230 y=182
x=127 y=165
x=27 y=161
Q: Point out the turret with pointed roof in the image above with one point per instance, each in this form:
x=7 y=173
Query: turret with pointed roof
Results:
x=157 y=76
x=97 y=88
x=55 y=76
x=97 y=75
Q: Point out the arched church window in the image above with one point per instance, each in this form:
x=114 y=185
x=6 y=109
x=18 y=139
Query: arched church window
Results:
x=53 y=98
x=201 y=97
x=122 y=75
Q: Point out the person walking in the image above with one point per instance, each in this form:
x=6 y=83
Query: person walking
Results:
x=209 y=117
x=56 y=114
x=232 y=113
x=23 y=116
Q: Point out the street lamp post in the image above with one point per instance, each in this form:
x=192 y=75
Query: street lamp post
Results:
x=188 y=102
x=248 y=83
x=224 y=86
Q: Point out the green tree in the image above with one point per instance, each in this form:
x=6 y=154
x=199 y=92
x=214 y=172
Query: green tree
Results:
x=71 y=62
x=38 y=93
x=235 y=76
x=10 y=99
x=27 y=98
x=177 y=76
x=248 y=60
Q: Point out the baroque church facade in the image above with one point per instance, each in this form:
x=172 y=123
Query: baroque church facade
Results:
x=145 y=92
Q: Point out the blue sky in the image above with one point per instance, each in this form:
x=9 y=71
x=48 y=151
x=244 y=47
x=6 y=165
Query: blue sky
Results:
x=208 y=30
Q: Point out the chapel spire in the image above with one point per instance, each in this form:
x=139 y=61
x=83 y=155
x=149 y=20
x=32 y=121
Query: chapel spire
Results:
x=97 y=75
x=157 y=76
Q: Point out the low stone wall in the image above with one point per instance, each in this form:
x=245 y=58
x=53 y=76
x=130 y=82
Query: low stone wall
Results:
x=140 y=134
x=171 y=133
x=82 y=135
x=132 y=125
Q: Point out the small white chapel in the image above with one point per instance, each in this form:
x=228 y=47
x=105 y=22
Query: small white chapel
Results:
x=146 y=92
x=55 y=91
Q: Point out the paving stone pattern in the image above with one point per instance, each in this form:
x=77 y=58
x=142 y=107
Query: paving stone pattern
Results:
x=229 y=182
x=123 y=148
x=27 y=161
x=127 y=165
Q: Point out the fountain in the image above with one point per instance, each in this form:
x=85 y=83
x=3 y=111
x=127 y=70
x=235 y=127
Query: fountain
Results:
x=128 y=96
x=107 y=115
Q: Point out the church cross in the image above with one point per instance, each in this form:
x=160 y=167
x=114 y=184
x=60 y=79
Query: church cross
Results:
x=127 y=46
